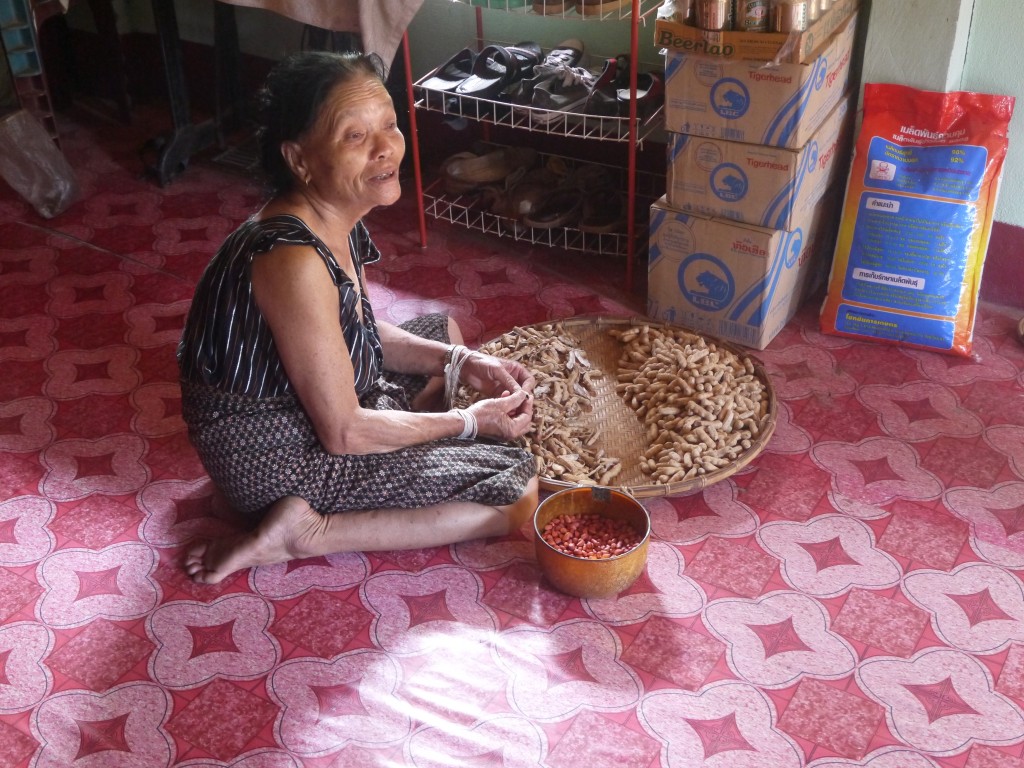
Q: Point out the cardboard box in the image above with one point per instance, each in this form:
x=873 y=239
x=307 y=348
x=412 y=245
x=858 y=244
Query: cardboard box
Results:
x=781 y=47
x=737 y=282
x=769 y=186
x=776 y=105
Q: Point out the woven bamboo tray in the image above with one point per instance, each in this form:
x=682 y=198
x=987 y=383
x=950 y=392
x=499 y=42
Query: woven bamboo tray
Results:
x=622 y=434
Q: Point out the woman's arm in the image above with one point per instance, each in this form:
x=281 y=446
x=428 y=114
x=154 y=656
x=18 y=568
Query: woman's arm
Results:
x=299 y=301
x=405 y=352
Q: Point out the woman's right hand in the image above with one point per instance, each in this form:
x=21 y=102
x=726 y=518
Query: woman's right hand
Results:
x=504 y=418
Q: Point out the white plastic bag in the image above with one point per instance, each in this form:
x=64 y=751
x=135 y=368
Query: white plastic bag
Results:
x=33 y=165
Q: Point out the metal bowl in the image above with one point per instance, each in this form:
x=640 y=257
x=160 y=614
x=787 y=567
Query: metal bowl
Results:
x=592 y=578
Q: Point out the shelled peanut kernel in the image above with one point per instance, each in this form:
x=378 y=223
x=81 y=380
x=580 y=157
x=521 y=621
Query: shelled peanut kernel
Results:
x=590 y=537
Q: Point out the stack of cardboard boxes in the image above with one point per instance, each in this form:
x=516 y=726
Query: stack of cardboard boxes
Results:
x=758 y=153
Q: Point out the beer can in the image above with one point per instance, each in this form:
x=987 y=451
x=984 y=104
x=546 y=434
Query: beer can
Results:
x=824 y=5
x=789 y=16
x=752 y=15
x=813 y=10
x=714 y=14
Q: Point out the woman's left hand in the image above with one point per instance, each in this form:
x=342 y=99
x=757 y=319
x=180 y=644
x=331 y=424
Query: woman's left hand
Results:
x=494 y=376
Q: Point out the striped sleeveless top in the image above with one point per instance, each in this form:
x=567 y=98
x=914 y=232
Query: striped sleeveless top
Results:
x=226 y=342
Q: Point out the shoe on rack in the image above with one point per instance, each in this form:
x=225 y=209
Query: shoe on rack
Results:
x=447 y=76
x=560 y=208
x=494 y=69
x=604 y=98
x=568 y=53
x=565 y=92
x=650 y=94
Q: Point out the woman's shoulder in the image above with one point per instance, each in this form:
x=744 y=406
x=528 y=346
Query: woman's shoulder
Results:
x=279 y=226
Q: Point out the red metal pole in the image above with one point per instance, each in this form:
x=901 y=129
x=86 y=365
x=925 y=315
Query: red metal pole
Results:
x=414 y=142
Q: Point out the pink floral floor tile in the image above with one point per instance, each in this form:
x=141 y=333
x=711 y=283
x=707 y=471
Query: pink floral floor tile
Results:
x=838 y=720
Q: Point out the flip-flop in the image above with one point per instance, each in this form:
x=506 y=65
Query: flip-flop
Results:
x=493 y=70
x=452 y=72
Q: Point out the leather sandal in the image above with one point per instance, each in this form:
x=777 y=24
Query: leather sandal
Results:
x=603 y=211
x=489 y=168
x=494 y=69
x=452 y=184
x=561 y=208
x=527 y=192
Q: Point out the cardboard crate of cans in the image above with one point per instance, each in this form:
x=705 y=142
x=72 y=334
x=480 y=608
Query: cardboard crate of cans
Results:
x=739 y=282
x=757 y=102
x=786 y=47
x=755 y=184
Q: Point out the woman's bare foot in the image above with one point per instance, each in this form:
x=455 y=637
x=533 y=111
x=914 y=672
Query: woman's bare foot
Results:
x=278 y=538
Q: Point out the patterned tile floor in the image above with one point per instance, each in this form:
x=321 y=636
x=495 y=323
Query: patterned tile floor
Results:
x=851 y=598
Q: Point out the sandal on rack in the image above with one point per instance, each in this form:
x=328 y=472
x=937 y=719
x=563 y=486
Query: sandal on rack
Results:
x=529 y=54
x=603 y=211
x=448 y=76
x=561 y=208
x=526 y=192
x=453 y=185
x=470 y=169
x=494 y=69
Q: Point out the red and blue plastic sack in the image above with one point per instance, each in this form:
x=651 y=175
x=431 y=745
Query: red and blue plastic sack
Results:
x=917 y=217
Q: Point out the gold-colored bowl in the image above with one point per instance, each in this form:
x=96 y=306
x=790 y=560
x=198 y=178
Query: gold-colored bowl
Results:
x=592 y=578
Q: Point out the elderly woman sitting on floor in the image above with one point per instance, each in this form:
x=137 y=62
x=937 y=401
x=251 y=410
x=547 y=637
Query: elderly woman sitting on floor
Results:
x=330 y=428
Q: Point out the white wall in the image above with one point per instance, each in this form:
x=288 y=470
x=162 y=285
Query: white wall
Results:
x=995 y=61
x=953 y=45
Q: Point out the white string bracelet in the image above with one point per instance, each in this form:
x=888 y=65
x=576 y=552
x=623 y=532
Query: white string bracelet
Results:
x=469 y=425
x=455 y=358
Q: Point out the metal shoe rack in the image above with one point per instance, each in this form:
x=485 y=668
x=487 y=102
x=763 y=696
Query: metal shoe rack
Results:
x=641 y=188
x=19 y=21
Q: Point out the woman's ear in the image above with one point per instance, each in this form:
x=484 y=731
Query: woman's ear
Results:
x=292 y=154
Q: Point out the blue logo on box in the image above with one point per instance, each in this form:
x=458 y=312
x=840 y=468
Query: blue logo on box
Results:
x=729 y=182
x=706 y=282
x=730 y=98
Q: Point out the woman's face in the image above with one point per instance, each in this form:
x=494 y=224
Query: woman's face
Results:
x=352 y=152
